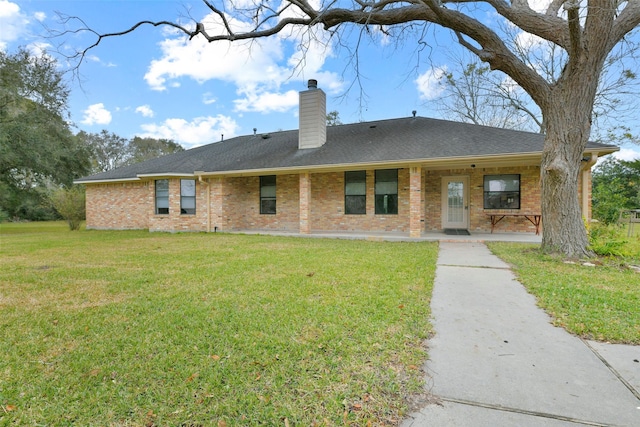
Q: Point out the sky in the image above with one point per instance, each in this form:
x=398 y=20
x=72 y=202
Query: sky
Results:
x=156 y=83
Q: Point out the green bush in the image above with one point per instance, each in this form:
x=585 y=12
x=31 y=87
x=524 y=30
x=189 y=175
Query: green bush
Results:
x=608 y=240
x=4 y=216
x=70 y=204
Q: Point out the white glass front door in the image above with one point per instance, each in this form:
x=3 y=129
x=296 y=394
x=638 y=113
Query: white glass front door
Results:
x=455 y=202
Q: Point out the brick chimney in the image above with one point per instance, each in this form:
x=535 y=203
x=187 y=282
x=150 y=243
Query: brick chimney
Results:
x=313 y=117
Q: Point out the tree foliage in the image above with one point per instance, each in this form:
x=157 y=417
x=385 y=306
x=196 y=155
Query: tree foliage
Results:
x=37 y=147
x=110 y=151
x=70 y=205
x=141 y=149
x=616 y=187
x=584 y=36
x=333 y=118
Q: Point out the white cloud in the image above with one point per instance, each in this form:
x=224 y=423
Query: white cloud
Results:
x=208 y=98
x=199 y=131
x=428 y=83
x=202 y=61
x=96 y=114
x=266 y=64
x=264 y=102
x=40 y=16
x=12 y=21
x=539 y=6
x=627 y=154
x=145 y=110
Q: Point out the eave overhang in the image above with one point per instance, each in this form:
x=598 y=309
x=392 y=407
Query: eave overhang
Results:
x=441 y=163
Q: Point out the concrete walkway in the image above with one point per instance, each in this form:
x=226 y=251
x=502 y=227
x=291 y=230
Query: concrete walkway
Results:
x=496 y=360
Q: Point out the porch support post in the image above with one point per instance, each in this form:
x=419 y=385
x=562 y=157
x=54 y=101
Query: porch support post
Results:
x=586 y=187
x=305 y=203
x=415 y=201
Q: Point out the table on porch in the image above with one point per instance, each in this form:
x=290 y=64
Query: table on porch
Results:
x=534 y=218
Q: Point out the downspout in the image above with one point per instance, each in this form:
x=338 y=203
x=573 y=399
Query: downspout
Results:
x=586 y=179
x=202 y=181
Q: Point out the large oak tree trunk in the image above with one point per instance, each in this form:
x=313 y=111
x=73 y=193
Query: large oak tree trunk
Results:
x=568 y=125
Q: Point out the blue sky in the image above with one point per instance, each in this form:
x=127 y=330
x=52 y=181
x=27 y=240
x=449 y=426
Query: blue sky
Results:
x=156 y=83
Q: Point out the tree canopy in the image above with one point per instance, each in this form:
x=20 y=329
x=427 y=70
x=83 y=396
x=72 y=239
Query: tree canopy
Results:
x=37 y=147
x=616 y=187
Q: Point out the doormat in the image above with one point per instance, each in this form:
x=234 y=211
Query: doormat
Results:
x=457 y=232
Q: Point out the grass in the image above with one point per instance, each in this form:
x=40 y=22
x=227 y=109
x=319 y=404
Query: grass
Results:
x=130 y=328
x=595 y=302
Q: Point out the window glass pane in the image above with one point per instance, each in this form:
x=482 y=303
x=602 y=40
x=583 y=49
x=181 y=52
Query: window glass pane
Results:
x=355 y=183
x=268 y=191
x=355 y=188
x=187 y=187
x=189 y=202
x=502 y=191
x=268 y=206
x=354 y=205
x=162 y=184
x=162 y=196
x=268 y=194
x=387 y=204
x=388 y=175
x=386 y=187
x=268 y=186
x=387 y=181
x=502 y=183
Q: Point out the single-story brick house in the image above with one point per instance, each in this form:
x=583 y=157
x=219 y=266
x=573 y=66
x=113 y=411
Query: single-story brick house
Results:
x=409 y=175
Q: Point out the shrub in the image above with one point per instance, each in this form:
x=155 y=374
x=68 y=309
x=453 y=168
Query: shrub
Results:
x=70 y=204
x=607 y=240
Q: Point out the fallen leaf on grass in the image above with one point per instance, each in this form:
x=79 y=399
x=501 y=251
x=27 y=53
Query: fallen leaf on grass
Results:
x=192 y=377
x=222 y=423
x=9 y=408
x=215 y=357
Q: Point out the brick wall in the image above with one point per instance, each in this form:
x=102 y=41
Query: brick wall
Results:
x=241 y=209
x=327 y=205
x=118 y=206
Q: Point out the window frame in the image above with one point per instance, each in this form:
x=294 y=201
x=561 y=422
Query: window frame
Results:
x=158 y=198
x=355 y=177
x=267 y=200
x=507 y=199
x=382 y=198
x=186 y=197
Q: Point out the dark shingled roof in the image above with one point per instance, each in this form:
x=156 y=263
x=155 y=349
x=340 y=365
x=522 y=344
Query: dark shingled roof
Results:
x=405 y=139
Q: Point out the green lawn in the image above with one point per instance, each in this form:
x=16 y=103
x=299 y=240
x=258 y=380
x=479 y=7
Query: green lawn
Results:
x=601 y=302
x=130 y=328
